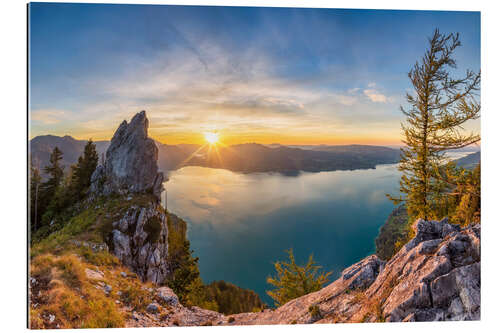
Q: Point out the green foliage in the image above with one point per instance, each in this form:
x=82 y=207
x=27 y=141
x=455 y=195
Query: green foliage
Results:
x=293 y=281
x=232 y=299
x=393 y=234
x=49 y=188
x=440 y=106
x=153 y=228
x=54 y=197
x=35 y=183
x=462 y=202
x=82 y=171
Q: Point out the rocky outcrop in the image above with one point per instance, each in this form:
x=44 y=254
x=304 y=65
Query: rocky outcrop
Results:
x=436 y=276
x=139 y=235
x=131 y=162
x=140 y=240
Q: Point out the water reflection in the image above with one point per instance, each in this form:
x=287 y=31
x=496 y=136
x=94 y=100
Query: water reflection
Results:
x=240 y=223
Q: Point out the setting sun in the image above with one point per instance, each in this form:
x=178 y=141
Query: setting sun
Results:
x=212 y=137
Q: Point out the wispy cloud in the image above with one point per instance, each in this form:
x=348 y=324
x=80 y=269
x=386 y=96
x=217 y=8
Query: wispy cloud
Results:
x=375 y=96
x=48 y=117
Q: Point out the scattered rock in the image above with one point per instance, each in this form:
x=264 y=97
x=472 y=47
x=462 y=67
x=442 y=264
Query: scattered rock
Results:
x=107 y=288
x=153 y=308
x=168 y=296
x=94 y=274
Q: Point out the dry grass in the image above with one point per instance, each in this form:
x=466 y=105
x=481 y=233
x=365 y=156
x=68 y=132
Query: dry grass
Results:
x=63 y=296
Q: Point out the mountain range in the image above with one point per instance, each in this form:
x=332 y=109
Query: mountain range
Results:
x=246 y=158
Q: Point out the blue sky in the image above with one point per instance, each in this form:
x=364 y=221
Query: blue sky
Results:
x=253 y=74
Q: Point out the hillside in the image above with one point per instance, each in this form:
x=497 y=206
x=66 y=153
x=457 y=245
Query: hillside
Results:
x=110 y=260
x=469 y=161
x=436 y=276
x=245 y=158
x=42 y=146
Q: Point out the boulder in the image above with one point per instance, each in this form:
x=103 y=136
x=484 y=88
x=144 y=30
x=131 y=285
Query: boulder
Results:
x=168 y=296
x=153 y=308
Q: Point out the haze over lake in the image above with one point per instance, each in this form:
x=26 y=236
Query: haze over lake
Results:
x=239 y=224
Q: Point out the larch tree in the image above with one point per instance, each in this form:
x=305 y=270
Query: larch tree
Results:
x=435 y=114
x=293 y=281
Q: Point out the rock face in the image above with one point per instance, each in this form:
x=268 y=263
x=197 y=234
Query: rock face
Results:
x=131 y=161
x=139 y=235
x=140 y=240
x=436 y=276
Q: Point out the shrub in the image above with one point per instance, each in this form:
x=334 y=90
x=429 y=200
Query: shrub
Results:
x=315 y=312
x=293 y=281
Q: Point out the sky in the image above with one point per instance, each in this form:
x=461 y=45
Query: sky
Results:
x=264 y=75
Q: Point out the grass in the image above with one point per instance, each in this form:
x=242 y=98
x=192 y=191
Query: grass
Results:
x=63 y=296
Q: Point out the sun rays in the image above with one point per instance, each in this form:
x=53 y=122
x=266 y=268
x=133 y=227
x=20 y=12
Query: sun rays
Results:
x=208 y=150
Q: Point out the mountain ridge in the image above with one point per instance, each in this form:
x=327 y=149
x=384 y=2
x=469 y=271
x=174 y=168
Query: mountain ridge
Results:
x=246 y=158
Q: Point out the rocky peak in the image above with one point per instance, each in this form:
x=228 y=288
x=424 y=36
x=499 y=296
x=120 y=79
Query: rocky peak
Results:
x=131 y=161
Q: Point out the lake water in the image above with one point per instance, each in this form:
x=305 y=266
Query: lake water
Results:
x=239 y=224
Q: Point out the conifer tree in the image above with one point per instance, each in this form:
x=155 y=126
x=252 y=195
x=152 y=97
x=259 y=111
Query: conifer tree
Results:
x=35 y=182
x=293 y=281
x=437 y=110
x=82 y=171
x=56 y=173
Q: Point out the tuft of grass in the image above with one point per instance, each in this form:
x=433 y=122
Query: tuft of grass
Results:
x=315 y=312
x=136 y=296
x=72 y=271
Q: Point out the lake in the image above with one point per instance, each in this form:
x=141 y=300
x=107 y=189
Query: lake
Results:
x=239 y=224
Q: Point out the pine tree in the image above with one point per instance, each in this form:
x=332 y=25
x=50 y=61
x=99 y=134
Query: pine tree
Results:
x=438 y=109
x=35 y=182
x=293 y=281
x=56 y=173
x=82 y=171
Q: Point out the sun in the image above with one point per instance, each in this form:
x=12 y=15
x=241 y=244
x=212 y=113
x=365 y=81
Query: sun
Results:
x=212 y=137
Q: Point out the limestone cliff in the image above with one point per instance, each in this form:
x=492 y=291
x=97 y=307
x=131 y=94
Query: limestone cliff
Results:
x=131 y=161
x=139 y=236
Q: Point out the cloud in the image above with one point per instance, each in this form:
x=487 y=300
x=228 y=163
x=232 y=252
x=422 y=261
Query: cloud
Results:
x=375 y=96
x=241 y=93
x=48 y=117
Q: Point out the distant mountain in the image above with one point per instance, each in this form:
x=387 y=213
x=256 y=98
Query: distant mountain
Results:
x=41 y=147
x=247 y=158
x=469 y=161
